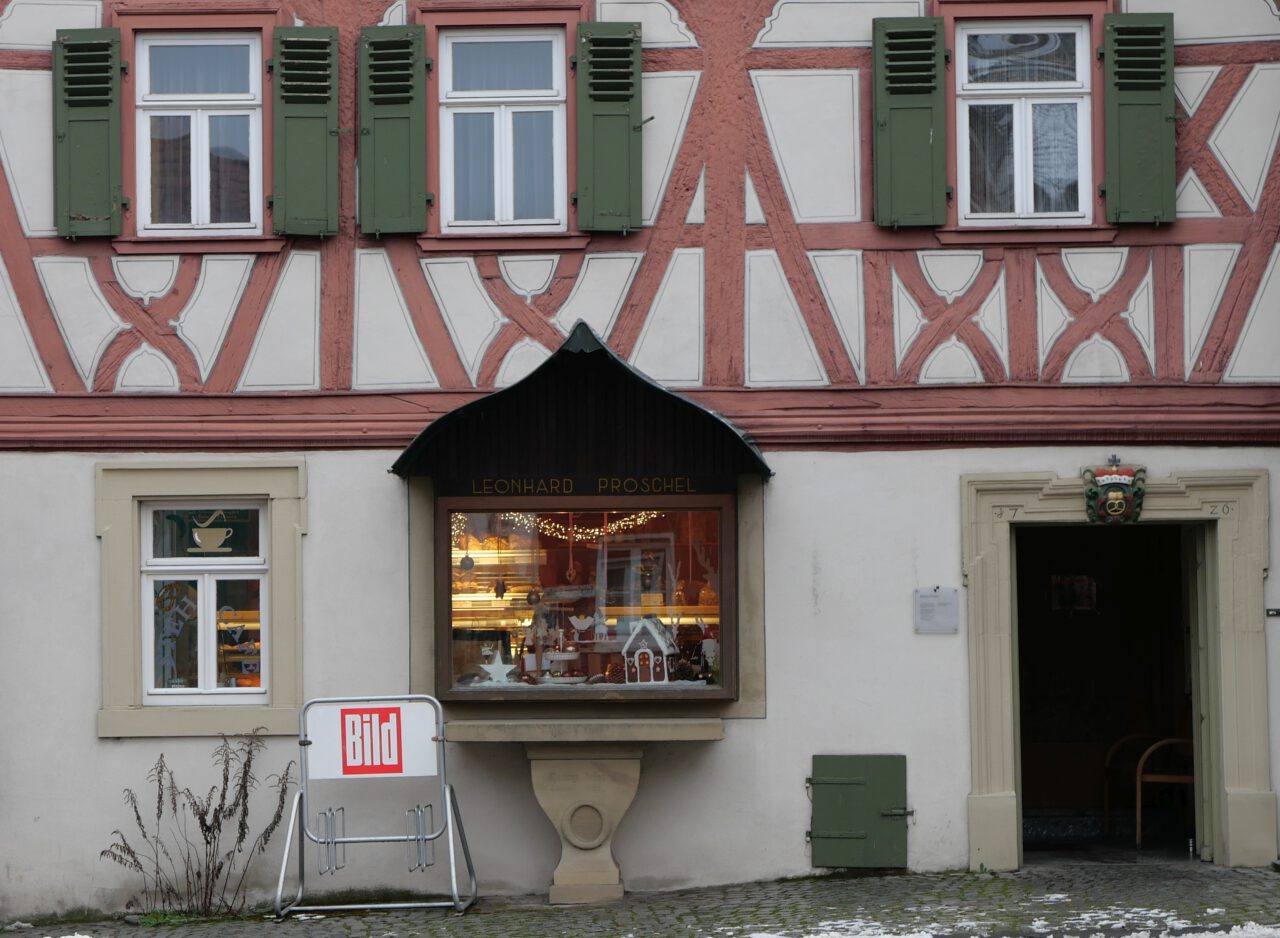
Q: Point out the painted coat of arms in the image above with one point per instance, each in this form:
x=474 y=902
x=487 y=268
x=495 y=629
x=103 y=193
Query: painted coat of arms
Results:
x=1113 y=493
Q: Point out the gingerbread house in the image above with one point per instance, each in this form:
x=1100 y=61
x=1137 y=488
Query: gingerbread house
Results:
x=650 y=653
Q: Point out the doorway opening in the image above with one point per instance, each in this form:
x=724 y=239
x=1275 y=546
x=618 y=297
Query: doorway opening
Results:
x=1107 y=688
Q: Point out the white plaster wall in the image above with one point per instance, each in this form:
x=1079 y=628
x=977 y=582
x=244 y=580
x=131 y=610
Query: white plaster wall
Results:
x=26 y=147
x=62 y=793
x=849 y=536
x=1195 y=21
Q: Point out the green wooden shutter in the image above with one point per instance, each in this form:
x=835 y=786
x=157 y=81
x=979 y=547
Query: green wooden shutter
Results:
x=393 y=130
x=609 y=127
x=1138 y=61
x=86 y=121
x=305 y=196
x=860 y=811
x=910 y=138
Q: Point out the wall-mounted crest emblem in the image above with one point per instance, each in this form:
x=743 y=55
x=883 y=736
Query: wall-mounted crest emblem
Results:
x=1113 y=493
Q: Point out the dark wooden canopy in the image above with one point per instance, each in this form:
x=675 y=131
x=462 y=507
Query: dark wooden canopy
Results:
x=583 y=414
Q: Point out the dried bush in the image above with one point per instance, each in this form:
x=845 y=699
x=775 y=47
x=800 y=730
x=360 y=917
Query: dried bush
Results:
x=182 y=859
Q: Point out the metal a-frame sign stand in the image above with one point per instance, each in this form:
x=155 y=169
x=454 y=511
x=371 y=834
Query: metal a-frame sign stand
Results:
x=366 y=738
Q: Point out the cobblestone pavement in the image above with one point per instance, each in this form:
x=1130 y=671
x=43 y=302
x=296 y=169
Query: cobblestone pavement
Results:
x=1055 y=896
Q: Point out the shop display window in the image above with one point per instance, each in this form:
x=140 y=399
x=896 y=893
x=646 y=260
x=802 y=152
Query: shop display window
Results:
x=598 y=600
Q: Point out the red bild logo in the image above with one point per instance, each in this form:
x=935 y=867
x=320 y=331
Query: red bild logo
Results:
x=371 y=741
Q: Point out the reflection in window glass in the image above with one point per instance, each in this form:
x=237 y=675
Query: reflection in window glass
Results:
x=171 y=169
x=196 y=69
x=229 y=168
x=1055 y=156
x=1022 y=57
x=473 y=166
x=991 y=158
x=534 y=161
x=204 y=532
x=626 y=599
x=523 y=65
x=239 y=624
x=176 y=611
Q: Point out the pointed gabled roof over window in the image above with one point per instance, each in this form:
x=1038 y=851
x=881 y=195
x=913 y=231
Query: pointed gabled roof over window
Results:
x=583 y=415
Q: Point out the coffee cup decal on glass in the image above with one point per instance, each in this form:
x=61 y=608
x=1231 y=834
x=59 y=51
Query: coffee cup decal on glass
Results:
x=209 y=540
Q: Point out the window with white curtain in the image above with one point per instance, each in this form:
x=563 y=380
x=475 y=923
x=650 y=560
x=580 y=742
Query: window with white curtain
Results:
x=199 y=133
x=502 y=130
x=1023 y=123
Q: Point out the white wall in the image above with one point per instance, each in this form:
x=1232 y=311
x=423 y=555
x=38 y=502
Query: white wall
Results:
x=849 y=537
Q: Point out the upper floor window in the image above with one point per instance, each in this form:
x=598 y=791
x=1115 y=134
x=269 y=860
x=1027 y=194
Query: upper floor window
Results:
x=199 y=133
x=1023 y=120
x=503 y=130
x=1045 y=134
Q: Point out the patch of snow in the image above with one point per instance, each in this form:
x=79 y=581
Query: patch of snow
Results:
x=870 y=929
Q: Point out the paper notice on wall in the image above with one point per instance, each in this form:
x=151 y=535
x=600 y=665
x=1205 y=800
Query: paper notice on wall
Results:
x=938 y=610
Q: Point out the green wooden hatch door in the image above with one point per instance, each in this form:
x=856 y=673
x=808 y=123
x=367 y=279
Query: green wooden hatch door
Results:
x=859 y=811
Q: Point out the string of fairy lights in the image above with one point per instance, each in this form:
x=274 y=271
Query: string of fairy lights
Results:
x=528 y=522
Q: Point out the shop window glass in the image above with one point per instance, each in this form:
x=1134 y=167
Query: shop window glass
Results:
x=602 y=599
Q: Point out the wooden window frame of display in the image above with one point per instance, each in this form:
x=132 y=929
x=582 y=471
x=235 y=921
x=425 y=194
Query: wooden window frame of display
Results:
x=603 y=693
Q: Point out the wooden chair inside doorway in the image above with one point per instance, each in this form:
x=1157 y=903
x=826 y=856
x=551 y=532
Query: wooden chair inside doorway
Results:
x=1148 y=770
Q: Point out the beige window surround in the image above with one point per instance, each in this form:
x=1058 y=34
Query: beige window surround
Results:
x=121 y=488
x=1232 y=508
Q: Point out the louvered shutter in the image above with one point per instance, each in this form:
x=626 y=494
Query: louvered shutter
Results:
x=86 y=120
x=910 y=137
x=609 y=127
x=1138 y=63
x=393 y=130
x=305 y=184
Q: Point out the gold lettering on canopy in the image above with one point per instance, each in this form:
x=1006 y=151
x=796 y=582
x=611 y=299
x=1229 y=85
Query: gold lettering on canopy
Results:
x=527 y=486
x=644 y=485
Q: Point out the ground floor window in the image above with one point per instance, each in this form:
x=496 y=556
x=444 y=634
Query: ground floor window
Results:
x=204 y=577
x=602 y=598
x=201 y=596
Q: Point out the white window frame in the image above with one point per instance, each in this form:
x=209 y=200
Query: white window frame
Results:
x=207 y=570
x=504 y=105
x=199 y=108
x=1022 y=95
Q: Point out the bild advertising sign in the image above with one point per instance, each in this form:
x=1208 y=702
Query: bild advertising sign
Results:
x=371 y=740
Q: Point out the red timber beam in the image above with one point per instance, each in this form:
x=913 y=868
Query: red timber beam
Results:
x=865 y=418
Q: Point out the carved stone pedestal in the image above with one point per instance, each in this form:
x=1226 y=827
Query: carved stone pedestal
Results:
x=585 y=791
